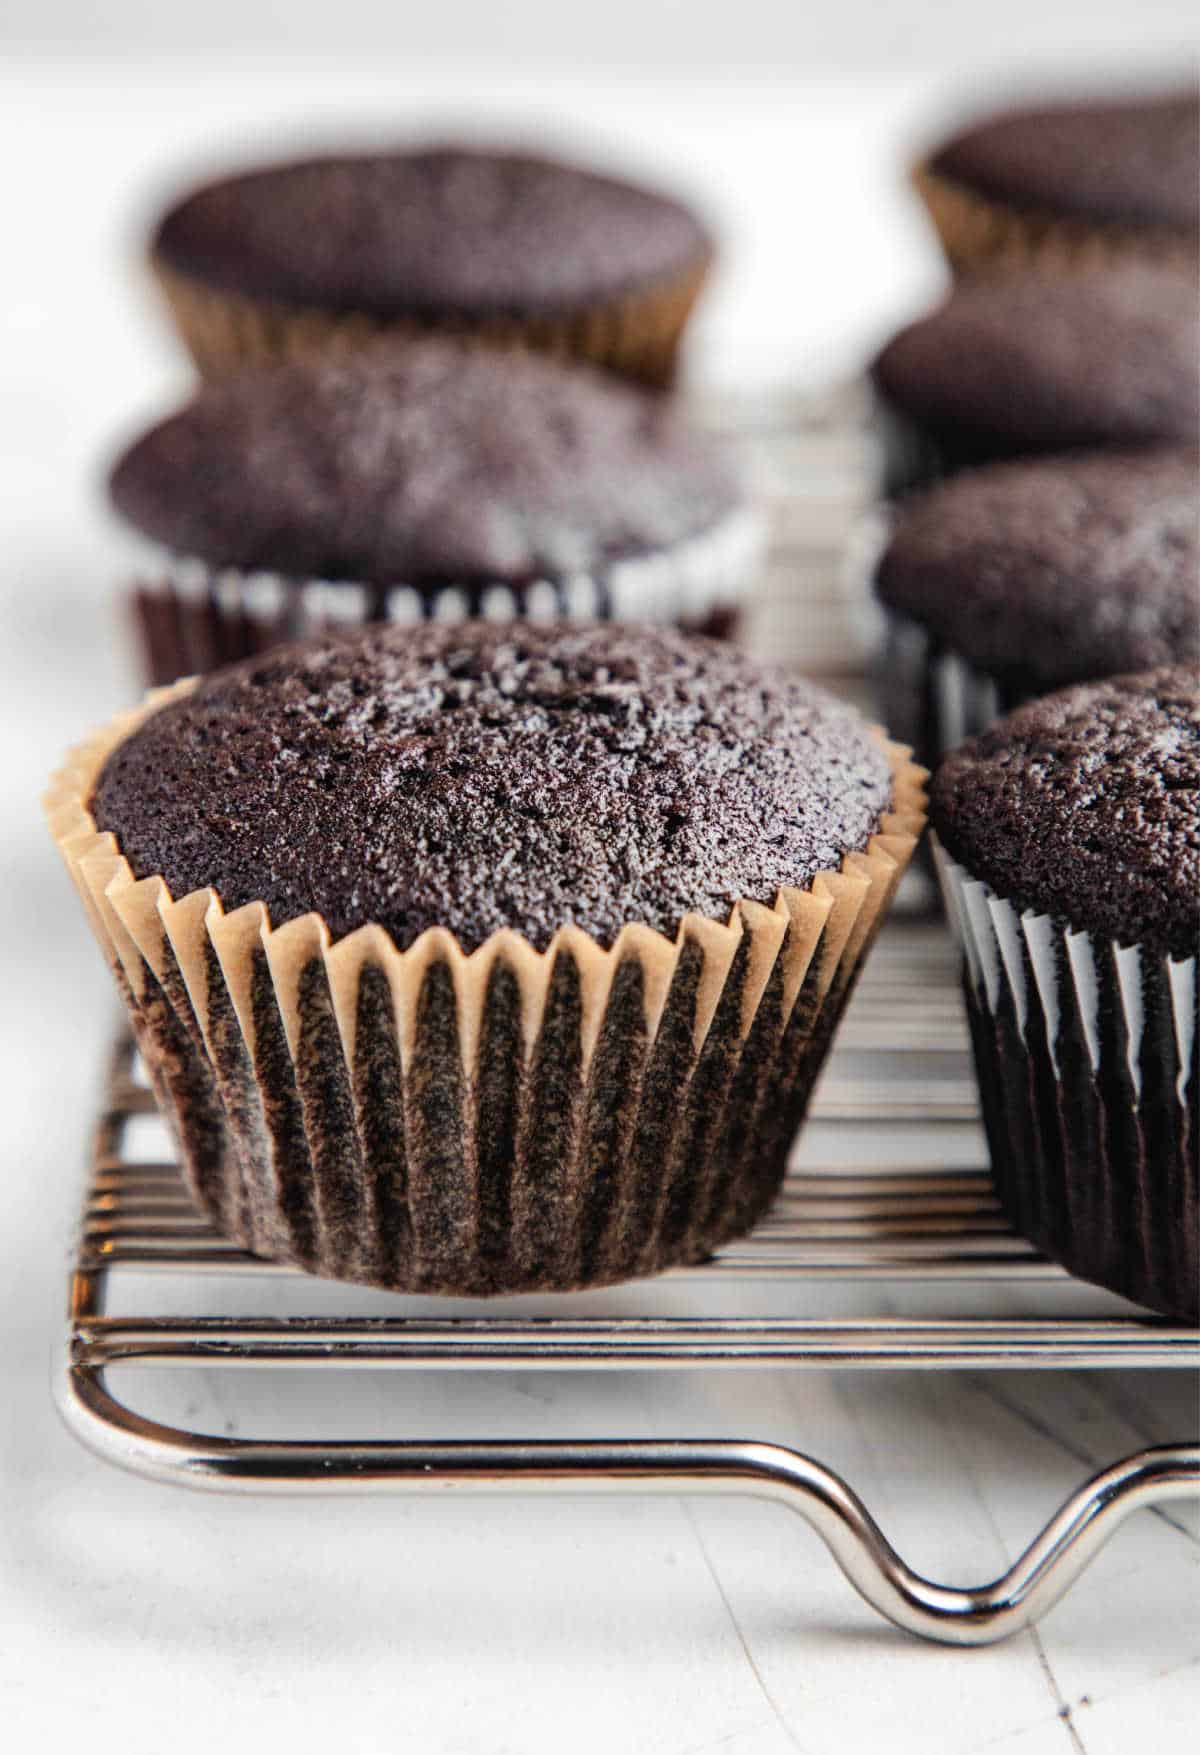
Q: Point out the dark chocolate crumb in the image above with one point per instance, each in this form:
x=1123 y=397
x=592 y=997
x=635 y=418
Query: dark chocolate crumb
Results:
x=483 y=775
x=1085 y=805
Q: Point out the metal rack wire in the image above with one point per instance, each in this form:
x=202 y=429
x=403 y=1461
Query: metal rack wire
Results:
x=863 y=1216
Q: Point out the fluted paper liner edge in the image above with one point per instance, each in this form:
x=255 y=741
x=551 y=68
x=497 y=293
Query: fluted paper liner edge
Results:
x=193 y=617
x=977 y=232
x=1087 y=1052
x=211 y=966
x=636 y=335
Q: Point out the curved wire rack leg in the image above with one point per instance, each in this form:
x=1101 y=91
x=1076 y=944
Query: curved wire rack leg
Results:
x=956 y=1616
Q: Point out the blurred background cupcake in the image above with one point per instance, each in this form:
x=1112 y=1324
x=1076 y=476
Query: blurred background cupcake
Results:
x=426 y=479
x=317 y=256
x=1068 y=842
x=1008 y=581
x=1070 y=184
x=1034 y=362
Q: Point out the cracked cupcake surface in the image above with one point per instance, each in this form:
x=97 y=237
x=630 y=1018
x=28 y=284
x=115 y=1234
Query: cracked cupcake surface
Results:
x=486 y=776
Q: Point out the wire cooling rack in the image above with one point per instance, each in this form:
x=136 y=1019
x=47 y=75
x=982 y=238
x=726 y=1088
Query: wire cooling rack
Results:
x=899 y=1069
x=888 y=1204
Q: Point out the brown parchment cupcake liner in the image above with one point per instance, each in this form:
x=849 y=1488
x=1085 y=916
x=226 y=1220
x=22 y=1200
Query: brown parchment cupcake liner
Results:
x=636 y=336
x=190 y=618
x=981 y=235
x=507 y=1120
x=1089 y=1080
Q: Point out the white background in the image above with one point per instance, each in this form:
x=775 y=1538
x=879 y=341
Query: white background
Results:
x=142 y=1620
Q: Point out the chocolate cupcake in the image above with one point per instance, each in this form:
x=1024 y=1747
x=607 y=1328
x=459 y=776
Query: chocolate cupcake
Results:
x=486 y=959
x=1013 y=580
x=1070 y=185
x=426 y=480
x=1036 y=362
x=509 y=249
x=1068 y=841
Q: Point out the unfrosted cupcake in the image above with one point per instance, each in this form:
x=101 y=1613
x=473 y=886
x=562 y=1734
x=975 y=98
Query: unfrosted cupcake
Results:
x=514 y=250
x=425 y=480
x=1068 y=839
x=1070 y=185
x=1016 y=579
x=1035 y=362
x=486 y=959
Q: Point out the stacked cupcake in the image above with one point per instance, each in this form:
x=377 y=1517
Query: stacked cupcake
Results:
x=1041 y=426
x=313 y=257
x=1044 y=562
x=435 y=388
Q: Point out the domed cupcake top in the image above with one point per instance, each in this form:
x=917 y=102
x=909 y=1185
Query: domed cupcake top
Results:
x=424 y=464
x=427 y=232
x=1057 y=570
x=1086 y=805
x=1134 y=161
x=482 y=776
x=1052 y=361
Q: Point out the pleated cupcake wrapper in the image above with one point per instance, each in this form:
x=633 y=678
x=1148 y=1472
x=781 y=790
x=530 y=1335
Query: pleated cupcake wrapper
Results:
x=1087 y=1055
x=193 y=618
x=502 y=1120
x=636 y=336
x=977 y=233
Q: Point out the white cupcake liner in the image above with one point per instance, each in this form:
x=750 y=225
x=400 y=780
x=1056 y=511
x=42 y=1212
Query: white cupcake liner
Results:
x=1087 y=1053
x=194 y=617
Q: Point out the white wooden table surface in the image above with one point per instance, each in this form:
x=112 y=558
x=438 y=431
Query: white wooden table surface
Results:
x=144 y=1618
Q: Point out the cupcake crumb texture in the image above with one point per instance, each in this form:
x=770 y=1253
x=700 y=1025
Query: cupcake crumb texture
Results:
x=1047 y=572
x=1085 y=805
x=483 y=776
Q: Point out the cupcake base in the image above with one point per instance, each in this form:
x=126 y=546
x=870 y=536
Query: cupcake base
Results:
x=1089 y=1081
x=508 y=1120
x=636 y=336
x=981 y=235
